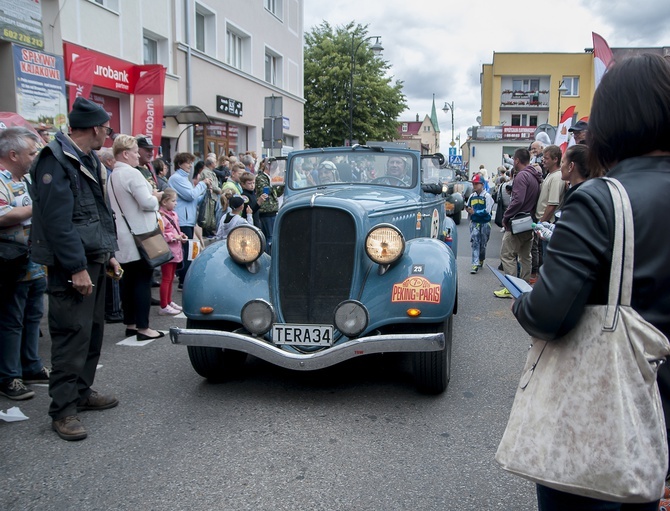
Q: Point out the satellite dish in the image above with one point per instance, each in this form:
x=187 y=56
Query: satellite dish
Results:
x=479 y=120
x=548 y=129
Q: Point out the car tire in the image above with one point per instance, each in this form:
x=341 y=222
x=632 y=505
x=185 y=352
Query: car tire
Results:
x=432 y=369
x=215 y=364
x=457 y=218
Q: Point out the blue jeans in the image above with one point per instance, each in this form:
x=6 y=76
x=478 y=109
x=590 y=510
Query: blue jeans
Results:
x=20 y=315
x=479 y=237
x=268 y=226
x=549 y=499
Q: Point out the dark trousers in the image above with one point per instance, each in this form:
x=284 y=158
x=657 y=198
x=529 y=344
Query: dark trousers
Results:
x=136 y=293
x=549 y=499
x=181 y=273
x=76 y=324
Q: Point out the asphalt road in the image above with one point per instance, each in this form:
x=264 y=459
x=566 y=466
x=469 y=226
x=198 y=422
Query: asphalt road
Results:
x=354 y=437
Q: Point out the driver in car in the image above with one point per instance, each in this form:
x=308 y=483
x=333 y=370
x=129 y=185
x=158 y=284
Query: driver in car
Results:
x=397 y=167
x=327 y=173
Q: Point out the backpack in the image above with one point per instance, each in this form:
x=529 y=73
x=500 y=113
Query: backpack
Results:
x=207 y=214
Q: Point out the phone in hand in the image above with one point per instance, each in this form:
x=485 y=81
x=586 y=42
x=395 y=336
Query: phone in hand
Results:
x=266 y=190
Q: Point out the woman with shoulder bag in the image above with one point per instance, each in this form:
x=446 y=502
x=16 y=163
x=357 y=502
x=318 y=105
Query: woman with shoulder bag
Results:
x=629 y=137
x=135 y=202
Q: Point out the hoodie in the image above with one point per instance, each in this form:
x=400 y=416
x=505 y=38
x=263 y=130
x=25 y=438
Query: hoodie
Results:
x=525 y=192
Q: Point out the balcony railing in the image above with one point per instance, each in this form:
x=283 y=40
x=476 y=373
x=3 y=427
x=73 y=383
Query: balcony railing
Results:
x=515 y=99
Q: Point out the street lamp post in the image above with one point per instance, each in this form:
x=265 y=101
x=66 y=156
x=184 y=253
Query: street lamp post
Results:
x=376 y=48
x=561 y=89
x=445 y=109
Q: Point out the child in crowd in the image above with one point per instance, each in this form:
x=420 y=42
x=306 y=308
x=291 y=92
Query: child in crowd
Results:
x=479 y=208
x=174 y=238
x=232 y=219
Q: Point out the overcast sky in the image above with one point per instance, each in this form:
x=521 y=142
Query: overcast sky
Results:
x=438 y=46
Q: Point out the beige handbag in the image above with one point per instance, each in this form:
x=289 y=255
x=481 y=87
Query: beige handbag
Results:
x=587 y=416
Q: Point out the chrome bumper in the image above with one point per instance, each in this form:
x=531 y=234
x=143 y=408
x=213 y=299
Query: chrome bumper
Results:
x=310 y=361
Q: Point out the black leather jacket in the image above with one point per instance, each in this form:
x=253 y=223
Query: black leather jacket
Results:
x=577 y=262
x=72 y=222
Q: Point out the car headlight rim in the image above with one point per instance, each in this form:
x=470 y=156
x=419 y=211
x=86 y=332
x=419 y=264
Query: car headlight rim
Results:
x=384 y=244
x=246 y=243
x=258 y=316
x=351 y=318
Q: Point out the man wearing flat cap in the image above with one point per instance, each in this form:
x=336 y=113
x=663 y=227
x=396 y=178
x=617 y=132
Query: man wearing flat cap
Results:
x=73 y=235
x=579 y=131
x=146 y=149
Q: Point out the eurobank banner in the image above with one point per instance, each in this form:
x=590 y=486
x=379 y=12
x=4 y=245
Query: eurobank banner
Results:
x=145 y=82
x=148 y=103
x=40 y=86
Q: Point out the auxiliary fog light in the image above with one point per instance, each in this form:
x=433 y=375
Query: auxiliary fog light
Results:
x=245 y=244
x=351 y=318
x=258 y=316
x=384 y=244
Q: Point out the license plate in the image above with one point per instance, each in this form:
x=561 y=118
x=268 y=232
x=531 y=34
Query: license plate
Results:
x=303 y=335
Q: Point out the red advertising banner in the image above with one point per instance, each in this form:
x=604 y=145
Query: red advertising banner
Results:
x=111 y=105
x=110 y=72
x=148 y=103
x=81 y=75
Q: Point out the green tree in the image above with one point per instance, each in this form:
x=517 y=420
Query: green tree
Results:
x=377 y=100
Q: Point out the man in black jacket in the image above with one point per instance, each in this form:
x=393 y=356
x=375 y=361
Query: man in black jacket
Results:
x=73 y=234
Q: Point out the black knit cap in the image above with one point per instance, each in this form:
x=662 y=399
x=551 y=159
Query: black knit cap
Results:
x=86 y=114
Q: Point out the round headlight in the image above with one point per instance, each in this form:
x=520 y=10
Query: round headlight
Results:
x=384 y=244
x=351 y=318
x=245 y=244
x=257 y=316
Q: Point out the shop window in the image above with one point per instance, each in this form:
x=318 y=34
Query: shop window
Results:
x=238 y=48
x=273 y=67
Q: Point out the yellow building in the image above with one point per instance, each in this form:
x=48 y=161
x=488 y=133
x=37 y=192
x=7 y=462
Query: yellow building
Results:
x=522 y=89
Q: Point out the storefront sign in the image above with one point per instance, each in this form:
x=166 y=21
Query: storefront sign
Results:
x=487 y=132
x=40 y=86
x=518 y=132
x=228 y=106
x=110 y=72
x=21 y=22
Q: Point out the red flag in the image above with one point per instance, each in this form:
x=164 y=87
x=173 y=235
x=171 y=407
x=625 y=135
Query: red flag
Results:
x=148 y=102
x=81 y=76
x=562 y=133
x=602 y=57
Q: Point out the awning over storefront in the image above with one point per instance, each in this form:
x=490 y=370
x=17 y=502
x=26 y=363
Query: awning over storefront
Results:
x=186 y=114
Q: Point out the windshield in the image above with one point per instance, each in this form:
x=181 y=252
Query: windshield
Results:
x=387 y=169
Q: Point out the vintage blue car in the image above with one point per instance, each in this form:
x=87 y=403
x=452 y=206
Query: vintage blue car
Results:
x=362 y=262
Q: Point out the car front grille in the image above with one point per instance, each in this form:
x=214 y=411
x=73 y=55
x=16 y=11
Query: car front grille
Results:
x=316 y=249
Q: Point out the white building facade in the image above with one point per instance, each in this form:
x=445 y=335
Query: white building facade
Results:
x=222 y=59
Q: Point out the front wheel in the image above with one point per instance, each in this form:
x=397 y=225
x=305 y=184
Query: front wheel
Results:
x=215 y=364
x=457 y=218
x=432 y=369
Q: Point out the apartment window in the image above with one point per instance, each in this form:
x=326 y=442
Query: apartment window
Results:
x=112 y=5
x=237 y=49
x=426 y=128
x=274 y=6
x=273 y=68
x=572 y=84
x=205 y=29
x=404 y=127
x=532 y=120
x=525 y=85
x=150 y=51
x=521 y=120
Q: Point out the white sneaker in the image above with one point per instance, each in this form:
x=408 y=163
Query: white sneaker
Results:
x=167 y=311
x=176 y=307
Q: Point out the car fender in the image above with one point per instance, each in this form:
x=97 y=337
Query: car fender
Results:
x=424 y=278
x=215 y=280
x=457 y=200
